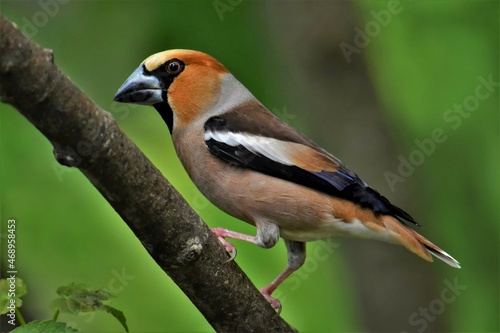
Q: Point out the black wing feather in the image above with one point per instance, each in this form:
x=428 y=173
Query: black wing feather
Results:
x=342 y=183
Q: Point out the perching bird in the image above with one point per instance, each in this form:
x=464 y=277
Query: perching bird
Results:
x=259 y=169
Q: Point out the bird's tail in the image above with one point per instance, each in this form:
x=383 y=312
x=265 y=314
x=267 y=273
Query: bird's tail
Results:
x=416 y=243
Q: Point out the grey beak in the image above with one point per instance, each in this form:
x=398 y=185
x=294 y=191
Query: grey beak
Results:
x=140 y=88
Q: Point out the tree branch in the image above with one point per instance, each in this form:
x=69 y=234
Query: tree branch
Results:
x=87 y=137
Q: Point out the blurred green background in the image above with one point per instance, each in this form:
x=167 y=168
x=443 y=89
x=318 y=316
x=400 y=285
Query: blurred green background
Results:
x=369 y=81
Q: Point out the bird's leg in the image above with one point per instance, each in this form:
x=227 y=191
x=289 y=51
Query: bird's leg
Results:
x=222 y=233
x=268 y=235
x=296 y=258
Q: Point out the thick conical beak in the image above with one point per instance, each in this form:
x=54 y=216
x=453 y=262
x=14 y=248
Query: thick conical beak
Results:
x=140 y=88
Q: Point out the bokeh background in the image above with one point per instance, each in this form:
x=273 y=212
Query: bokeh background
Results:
x=398 y=90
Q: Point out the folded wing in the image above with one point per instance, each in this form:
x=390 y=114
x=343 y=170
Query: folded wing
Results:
x=294 y=158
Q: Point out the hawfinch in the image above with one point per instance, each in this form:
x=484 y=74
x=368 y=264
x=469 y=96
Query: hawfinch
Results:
x=259 y=169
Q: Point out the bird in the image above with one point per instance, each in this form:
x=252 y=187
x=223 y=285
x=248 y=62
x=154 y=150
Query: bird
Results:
x=259 y=169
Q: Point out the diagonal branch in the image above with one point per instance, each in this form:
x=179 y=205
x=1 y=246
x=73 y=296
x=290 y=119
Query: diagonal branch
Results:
x=87 y=137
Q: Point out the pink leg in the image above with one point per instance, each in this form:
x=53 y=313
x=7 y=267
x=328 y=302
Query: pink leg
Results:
x=296 y=257
x=270 y=288
x=222 y=233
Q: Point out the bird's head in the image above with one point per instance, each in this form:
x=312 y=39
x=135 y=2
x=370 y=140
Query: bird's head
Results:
x=180 y=84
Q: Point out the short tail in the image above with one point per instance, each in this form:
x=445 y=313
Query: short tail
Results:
x=416 y=243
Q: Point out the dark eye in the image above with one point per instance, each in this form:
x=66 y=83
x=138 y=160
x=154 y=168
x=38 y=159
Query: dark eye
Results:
x=174 y=67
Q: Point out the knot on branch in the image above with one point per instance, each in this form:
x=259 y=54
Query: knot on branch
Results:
x=191 y=251
x=67 y=156
x=49 y=54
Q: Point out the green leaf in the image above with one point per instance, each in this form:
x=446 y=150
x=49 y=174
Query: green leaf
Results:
x=46 y=326
x=11 y=291
x=118 y=315
x=76 y=298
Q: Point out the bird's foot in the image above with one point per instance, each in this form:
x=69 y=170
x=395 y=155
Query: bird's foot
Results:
x=221 y=233
x=275 y=303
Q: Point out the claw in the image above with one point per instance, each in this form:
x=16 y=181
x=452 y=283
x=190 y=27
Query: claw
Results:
x=230 y=248
x=275 y=303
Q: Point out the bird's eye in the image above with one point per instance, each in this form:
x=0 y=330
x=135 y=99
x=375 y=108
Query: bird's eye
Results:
x=174 y=67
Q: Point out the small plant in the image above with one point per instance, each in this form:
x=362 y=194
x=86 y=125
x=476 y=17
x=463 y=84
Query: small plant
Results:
x=74 y=298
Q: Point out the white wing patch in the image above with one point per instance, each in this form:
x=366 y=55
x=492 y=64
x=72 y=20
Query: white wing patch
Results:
x=273 y=149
